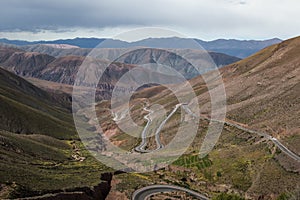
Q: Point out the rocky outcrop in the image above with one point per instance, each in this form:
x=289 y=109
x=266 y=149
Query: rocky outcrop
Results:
x=98 y=192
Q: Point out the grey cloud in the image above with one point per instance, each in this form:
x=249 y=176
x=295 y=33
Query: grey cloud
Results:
x=223 y=16
x=34 y=15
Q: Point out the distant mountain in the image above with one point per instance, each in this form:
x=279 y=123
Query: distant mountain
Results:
x=55 y=52
x=167 y=58
x=64 y=69
x=60 y=70
x=23 y=63
x=220 y=59
x=79 y=42
x=61 y=46
x=237 y=48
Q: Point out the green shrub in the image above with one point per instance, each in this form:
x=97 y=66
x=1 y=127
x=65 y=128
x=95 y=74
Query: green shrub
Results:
x=284 y=196
x=224 y=196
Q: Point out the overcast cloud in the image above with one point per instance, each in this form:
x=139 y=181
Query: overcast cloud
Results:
x=205 y=19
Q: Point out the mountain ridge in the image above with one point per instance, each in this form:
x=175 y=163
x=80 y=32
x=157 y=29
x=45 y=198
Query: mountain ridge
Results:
x=63 y=69
x=233 y=47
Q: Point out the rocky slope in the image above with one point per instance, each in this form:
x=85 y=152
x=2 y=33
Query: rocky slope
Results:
x=262 y=91
x=262 y=94
x=60 y=70
x=268 y=91
x=220 y=59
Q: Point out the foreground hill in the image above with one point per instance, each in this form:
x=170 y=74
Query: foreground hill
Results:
x=28 y=109
x=39 y=148
x=267 y=96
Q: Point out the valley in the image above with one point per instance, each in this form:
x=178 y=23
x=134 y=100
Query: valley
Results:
x=255 y=157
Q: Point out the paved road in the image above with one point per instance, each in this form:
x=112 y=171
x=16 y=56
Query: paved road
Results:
x=157 y=133
x=143 y=193
x=141 y=147
x=283 y=148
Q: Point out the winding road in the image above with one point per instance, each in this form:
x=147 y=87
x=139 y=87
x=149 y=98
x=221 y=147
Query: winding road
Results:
x=283 y=148
x=157 y=133
x=141 y=147
x=145 y=192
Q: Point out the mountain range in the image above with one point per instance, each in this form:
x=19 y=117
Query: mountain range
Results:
x=237 y=48
x=63 y=69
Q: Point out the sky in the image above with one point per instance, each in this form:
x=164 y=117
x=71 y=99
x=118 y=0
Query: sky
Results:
x=203 y=19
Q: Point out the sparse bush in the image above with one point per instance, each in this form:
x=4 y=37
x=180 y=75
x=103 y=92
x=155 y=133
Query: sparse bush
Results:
x=284 y=196
x=224 y=196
